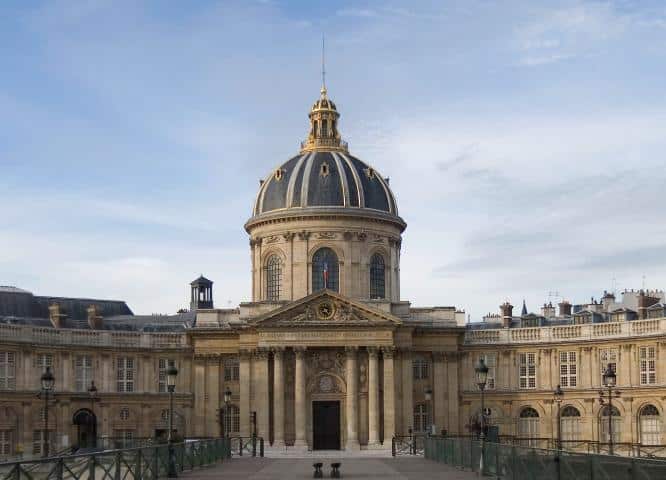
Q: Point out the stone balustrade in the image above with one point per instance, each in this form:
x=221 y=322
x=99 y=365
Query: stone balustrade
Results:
x=567 y=333
x=91 y=338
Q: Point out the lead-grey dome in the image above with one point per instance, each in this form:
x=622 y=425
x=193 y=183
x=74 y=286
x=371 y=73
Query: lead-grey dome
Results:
x=325 y=179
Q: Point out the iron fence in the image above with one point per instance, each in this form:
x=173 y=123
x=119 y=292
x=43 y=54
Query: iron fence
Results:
x=407 y=445
x=147 y=463
x=251 y=446
x=513 y=462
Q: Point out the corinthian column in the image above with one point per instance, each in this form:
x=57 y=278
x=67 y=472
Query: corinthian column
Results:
x=299 y=398
x=352 y=399
x=373 y=397
x=389 y=395
x=278 y=398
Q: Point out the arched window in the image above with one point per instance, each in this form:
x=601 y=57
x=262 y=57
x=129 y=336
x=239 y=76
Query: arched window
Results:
x=325 y=270
x=528 y=427
x=420 y=417
x=377 y=277
x=273 y=278
x=603 y=425
x=232 y=419
x=650 y=425
x=570 y=423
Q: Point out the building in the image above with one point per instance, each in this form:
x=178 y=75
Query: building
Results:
x=326 y=353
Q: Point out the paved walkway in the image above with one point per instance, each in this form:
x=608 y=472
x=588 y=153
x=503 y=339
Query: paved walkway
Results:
x=404 y=468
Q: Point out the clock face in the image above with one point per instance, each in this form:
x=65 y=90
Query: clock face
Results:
x=325 y=310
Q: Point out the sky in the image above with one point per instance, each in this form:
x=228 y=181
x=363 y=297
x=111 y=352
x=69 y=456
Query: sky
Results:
x=524 y=141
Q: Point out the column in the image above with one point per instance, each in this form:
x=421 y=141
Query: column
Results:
x=299 y=398
x=212 y=396
x=278 y=397
x=407 y=391
x=373 y=396
x=452 y=375
x=352 y=399
x=260 y=391
x=244 y=382
x=389 y=396
x=199 y=396
x=439 y=404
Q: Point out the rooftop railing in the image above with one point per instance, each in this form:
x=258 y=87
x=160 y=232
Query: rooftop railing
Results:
x=96 y=338
x=564 y=333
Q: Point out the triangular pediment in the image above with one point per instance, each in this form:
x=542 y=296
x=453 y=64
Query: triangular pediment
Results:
x=326 y=308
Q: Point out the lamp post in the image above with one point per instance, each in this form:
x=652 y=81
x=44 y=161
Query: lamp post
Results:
x=481 y=373
x=172 y=373
x=609 y=381
x=92 y=392
x=428 y=398
x=227 y=401
x=47 y=381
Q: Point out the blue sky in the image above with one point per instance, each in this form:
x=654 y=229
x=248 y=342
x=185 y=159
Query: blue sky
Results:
x=524 y=141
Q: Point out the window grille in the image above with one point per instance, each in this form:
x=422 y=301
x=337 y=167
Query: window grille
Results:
x=490 y=360
x=325 y=270
x=650 y=425
x=528 y=426
x=125 y=374
x=273 y=278
x=232 y=419
x=568 y=369
x=606 y=356
x=603 y=425
x=648 y=365
x=420 y=369
x=231 y=371
x=82 y=372
x=377 y=277
x=420 y=418
x=570 y=423
x=164 y=364
x=7 y=371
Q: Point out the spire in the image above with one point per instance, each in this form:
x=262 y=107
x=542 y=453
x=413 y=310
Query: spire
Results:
x=524 y=310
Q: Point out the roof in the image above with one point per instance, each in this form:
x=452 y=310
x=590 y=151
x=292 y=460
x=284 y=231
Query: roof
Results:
x=325 y=179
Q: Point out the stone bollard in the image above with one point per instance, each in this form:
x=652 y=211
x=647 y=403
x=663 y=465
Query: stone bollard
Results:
x=317 y=472
x=335 y=470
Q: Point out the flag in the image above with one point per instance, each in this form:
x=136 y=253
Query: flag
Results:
x=325 y=275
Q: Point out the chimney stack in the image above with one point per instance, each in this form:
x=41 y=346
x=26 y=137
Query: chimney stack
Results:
x=645 y=301
x=506 y=310
x=548 y=310
x=565 y=308
x=56 y=316
x=95 y=319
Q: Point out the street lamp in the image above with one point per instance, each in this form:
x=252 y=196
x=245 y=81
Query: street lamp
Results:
x=609 y=380
x=428 y=398
x=227 y=418
x=47 y=381
x=481 y=374
x=559 y=394
x=172 y=373
x=92 y=391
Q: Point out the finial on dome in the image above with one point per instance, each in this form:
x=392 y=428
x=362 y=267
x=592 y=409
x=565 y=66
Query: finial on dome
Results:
x=323 y=67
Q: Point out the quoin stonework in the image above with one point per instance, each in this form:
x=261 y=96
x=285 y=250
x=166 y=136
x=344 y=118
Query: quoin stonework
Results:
x=326 y=353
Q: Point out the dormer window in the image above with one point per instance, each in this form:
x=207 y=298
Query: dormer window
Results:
x=324 y=170
x=279 y=173
x=370 y=173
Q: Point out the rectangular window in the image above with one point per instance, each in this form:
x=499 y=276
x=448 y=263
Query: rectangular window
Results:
x=7 y=371
x=231 y=371
x=527 y=370
x=38 y=441
x=125 y=374
x=648 y=365
x=83 y=373
x=5 y=442
x=124 y=438
x=40 y=362
x=420 y=369
x=568 y=370
x=490 y=360
x=606 y=356
x=164 y=363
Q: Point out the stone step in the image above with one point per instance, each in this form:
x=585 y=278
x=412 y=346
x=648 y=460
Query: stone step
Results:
x=291 y=452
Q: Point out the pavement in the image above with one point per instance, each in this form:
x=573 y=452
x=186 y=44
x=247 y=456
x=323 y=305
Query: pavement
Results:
x=404 y=468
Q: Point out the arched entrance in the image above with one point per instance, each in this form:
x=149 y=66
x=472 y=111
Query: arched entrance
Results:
x=86 y=428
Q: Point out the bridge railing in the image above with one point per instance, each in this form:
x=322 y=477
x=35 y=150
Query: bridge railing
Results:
x=146 y=463
x=513 y=462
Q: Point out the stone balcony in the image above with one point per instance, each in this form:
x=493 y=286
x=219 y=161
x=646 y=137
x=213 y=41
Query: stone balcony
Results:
x=91 y=338
x=567 y=333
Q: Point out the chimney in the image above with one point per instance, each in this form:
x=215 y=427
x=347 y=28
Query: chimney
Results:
x=548 y=310
x=95 y=319
x=645 y=301
x=506 y=310
x=608 y=300
x=56 y=316
x=565 y=308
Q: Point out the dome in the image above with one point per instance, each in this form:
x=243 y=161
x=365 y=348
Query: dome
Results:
x=325 y=178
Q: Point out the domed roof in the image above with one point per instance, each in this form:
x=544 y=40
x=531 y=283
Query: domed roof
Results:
x=322 y=178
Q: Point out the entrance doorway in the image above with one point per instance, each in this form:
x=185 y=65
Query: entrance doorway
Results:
x=326 y=425
x=86 y=425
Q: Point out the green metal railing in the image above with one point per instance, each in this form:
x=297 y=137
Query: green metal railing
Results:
x=147 y=463
x=513 y=462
